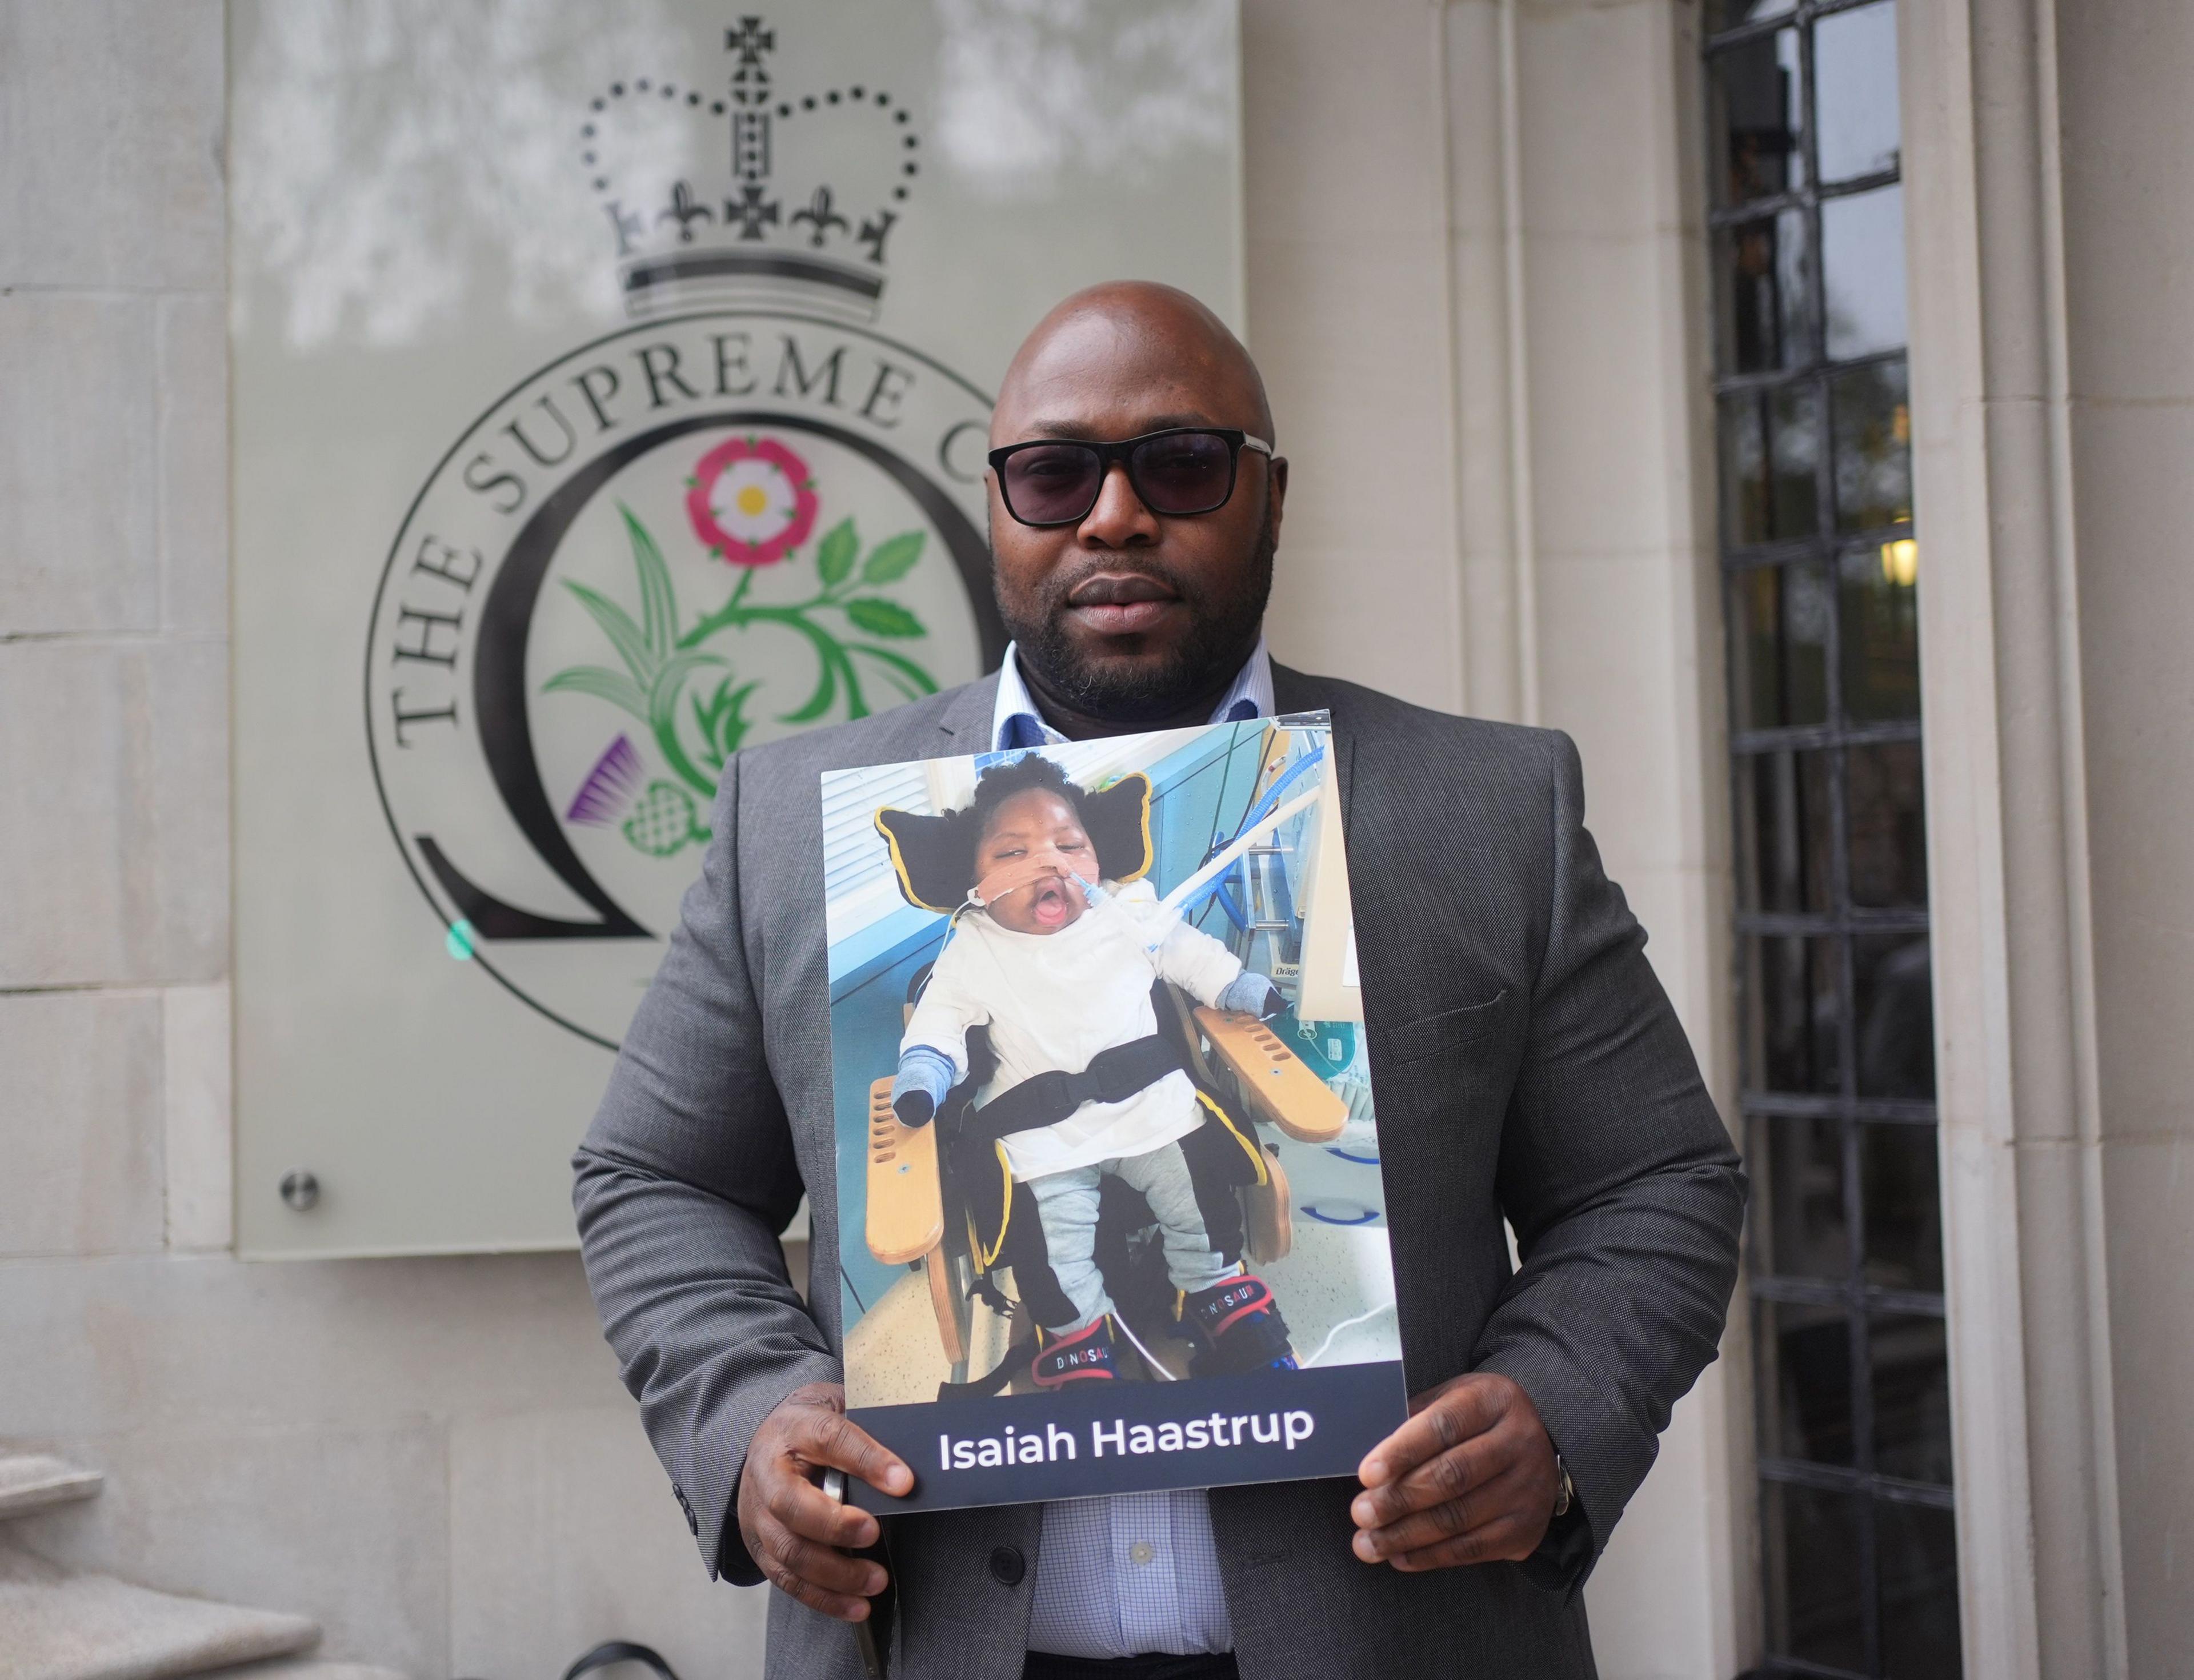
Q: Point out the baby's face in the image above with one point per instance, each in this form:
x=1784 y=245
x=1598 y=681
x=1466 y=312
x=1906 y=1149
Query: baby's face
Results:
x=1025 y=825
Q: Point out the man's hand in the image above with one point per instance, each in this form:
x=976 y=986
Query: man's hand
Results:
x=1469 y=1479
x=792 y=1528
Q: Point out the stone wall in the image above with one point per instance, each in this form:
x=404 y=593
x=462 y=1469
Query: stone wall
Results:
x=1472 y=296
x=432 y=1457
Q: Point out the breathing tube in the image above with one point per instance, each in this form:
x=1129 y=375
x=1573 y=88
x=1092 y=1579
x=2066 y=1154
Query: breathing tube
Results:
x=1185 y=900
x=1044 y=863
x=1268 y=813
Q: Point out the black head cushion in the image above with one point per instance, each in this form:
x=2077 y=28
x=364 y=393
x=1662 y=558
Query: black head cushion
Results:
x=935 y=856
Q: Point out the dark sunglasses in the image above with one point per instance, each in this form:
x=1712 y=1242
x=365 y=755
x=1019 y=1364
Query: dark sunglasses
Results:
x=1182 y=470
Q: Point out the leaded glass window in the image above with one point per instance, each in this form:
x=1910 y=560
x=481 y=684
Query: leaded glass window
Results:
x=1821 y=564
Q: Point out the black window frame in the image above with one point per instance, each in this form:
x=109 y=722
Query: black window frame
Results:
x=1825 y=550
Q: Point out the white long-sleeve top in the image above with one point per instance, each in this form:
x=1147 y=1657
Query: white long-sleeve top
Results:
x=1052 y=1001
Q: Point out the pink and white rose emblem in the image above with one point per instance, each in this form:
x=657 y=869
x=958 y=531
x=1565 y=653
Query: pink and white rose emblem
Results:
x=751 y=500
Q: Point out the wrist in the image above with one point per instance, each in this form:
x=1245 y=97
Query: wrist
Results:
x=1565 y=1553
x=926 y=1071
x=1251 y=993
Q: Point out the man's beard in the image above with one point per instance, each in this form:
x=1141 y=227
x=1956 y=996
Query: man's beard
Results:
x=1223 y=622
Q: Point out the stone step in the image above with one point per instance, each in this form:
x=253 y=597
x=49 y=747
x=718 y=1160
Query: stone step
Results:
x=32 y=1482
x=301 y=1668
x=57 y=1625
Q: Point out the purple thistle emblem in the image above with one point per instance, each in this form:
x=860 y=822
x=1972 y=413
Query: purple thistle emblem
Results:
x=602 y=797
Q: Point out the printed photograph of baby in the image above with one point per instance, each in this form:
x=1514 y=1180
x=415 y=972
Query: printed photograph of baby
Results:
x=1104 y=1115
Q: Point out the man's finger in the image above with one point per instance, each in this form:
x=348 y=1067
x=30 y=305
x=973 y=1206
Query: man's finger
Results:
x=807 y=1511
x=1450 y=1475
x=1510 y=1540
x=834 y=1572
x=783 y=1578
x=1451 y=1415
x=831 y=1440
x=1509 y=1494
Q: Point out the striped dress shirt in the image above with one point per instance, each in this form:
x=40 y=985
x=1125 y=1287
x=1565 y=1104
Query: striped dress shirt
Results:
x=1127 y=1574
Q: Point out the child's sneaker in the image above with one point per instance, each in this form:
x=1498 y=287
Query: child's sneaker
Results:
x=1085 y=1354
x=1237 y=1328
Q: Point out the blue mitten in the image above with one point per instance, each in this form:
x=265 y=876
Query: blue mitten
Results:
x=925 y=1074
x=1249 y=993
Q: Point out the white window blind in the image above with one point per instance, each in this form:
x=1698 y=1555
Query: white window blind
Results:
x=854 y=854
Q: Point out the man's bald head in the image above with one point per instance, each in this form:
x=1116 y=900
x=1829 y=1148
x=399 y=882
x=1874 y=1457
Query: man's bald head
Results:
x=1128 y=617
x=1154 y=340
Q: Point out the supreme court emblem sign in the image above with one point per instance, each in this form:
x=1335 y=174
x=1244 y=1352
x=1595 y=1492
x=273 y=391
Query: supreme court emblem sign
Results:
x=689 y=536
x=610 y=394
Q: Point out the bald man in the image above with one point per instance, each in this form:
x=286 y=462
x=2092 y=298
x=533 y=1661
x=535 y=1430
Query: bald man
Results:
x=1528 y=1066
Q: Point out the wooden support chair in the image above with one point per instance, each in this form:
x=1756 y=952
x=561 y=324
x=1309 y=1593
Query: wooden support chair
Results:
x=1228 y=1052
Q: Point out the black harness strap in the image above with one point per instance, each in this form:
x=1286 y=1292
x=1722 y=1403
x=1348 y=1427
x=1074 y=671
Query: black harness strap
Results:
x=1017 y=1359
x=1112 y=1076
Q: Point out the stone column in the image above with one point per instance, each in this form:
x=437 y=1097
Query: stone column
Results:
x=1585 y=522
x=2049 y=244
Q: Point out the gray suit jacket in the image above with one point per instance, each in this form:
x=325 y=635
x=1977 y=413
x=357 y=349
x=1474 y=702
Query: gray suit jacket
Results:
x=1526 y=1061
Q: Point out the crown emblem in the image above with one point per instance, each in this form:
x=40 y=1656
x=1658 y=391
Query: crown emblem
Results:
x=750 y=192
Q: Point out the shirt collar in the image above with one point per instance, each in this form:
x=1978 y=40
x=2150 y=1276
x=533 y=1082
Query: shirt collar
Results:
x=1015 y=722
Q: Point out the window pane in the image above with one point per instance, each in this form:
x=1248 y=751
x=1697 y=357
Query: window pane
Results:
x=1785 y=829
x=1806 y=1388
x=1741 y=439
x=1792 y=1004
x=1771 y=448
x=1863 y=272
x=1768 y=295
x=1917 y=1549
x=1880 y=632
x=1897 y=1171
x=1797 y=1167
x=1910 y=1362
x=1778 y=618
x=1753 y=90
x=1894 y=1017
x=1855 y=91
x=1812 y=1546
x=1873 y=431
x=1888 y=832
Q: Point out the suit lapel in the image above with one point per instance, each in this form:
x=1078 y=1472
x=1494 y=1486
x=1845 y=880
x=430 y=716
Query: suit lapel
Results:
x=965 y=722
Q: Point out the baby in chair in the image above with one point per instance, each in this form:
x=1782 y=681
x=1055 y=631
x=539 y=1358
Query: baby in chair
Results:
x=1059 y=970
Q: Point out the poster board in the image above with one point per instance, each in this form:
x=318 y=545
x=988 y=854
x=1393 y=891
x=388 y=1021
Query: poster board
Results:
x=610 y=386
x=1129 y=1232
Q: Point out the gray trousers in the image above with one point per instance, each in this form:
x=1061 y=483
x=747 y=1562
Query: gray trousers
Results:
x=1066 y=1207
